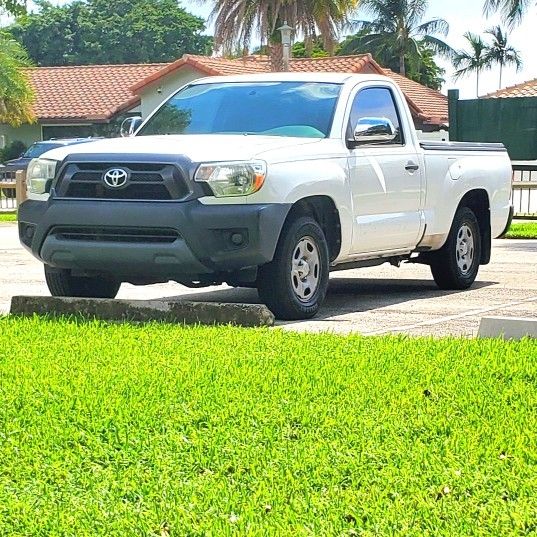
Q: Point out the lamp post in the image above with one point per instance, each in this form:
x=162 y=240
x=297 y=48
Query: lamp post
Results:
x=286 y=44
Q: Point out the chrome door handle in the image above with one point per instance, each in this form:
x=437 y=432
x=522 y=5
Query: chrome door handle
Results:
x=411 y=166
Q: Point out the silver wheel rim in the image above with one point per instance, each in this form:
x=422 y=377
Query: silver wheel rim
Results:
x=305 y=269
x=465 y=249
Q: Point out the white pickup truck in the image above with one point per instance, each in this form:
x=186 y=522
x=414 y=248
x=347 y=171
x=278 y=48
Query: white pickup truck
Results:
x=269 y=180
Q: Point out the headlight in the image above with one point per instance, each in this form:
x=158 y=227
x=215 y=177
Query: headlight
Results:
x=233 y=178
x=39 y=178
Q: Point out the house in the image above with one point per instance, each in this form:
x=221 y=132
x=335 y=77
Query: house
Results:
x=83 y=100
x=77 y=100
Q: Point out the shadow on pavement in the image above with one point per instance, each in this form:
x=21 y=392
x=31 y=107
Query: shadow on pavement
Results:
x=346 y=295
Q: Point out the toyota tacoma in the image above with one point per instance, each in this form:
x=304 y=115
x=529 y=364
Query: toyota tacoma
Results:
x=269 y=180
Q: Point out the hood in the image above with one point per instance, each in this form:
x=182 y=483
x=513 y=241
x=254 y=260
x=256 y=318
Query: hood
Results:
x=17 y=164
x=196 y=147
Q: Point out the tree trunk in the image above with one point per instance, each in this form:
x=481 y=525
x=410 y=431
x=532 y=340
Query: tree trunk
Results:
x=477 y=86
x=402 y=67
x=275 y=51
x=501 y=68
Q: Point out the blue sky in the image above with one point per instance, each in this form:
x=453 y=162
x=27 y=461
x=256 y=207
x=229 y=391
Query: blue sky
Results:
x=462 y=16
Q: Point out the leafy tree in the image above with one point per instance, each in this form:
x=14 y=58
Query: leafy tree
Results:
x=99 y=31
x=13 y=7
x=16 y=95
x=473 y=61
x=420 y=66
x=512 y=10
x=236 y=21
x=425 y=70
x=397 y=30
x=501 y=53
x=14 y=150
x=313 y=49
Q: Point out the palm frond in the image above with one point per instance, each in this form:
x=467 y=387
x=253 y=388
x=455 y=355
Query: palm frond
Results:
x=512 y=11
x=438 y=46
x=434 y=26
x=16 y=94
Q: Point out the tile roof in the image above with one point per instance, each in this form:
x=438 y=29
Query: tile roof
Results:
x=525 y=89
x=88 y=92
x=428 y=105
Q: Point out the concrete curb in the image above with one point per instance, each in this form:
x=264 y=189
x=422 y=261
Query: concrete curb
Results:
x=507 y=327
x=175 y=311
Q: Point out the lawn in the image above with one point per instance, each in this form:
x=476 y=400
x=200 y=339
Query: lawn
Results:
x=161 y=430
x=8 y=217
x=522 y=230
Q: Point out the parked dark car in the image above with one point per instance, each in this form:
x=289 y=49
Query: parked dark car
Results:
x=37 y=149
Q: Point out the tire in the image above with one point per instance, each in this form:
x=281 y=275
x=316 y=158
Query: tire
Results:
x=456 y=264
x=293 y=285
x=62 y=283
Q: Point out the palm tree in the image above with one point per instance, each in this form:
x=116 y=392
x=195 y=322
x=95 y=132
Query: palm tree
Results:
x=501 y=53
x=16 y=95
x=236 y=21
x=474 y=61
x=397 y=28
x=511 y=10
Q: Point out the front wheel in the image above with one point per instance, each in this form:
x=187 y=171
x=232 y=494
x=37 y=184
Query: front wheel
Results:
x=456 y=264
x=293 y=285
x=62 y=283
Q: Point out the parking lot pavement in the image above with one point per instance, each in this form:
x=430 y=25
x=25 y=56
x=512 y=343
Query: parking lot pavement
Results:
x=376 y=300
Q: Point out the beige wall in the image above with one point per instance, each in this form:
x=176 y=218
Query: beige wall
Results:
x=25 y=133
x=150 y=95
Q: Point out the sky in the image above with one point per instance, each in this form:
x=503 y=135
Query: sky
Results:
x=462 y=16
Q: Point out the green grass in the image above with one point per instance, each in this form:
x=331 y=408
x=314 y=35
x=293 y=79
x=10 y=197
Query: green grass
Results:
x=8 y=217
x=523 y=230
x=155 y=429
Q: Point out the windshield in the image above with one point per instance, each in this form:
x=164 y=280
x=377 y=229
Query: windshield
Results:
x=302 y=109
x=36 y=150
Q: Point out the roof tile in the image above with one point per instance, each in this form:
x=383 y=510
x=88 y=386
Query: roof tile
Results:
x=525 y=89
x=89 y=92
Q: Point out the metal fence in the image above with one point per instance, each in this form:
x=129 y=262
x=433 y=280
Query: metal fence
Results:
x=524 y=195
x=8 y=191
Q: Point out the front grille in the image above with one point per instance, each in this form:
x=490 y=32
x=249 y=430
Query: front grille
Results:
x=116 y=234
x=84 y=180
x=132 y=192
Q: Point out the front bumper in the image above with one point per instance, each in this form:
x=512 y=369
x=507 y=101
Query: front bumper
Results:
x=151 y=241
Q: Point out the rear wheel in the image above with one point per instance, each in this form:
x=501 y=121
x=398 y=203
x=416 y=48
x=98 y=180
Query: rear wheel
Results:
x=456 y=264
x=62 y=283
x=293 y=285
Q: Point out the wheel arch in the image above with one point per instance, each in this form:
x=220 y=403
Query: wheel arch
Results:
x=323 y=209
x=479 y=202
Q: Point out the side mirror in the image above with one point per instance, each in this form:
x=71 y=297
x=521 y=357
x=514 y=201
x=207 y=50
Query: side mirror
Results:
x=373 y=130
x=130 y=126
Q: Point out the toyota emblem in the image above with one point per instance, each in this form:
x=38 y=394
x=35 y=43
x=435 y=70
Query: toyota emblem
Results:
x=115 y=178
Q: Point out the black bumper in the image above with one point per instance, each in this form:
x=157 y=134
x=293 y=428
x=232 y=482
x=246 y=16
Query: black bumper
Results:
x=151 y=241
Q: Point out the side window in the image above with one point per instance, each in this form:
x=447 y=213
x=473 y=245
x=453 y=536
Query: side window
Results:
x=375 y=104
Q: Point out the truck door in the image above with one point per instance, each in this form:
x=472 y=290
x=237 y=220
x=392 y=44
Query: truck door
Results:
x=385 y=176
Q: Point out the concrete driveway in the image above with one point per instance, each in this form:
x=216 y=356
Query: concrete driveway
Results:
x=369 y=301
